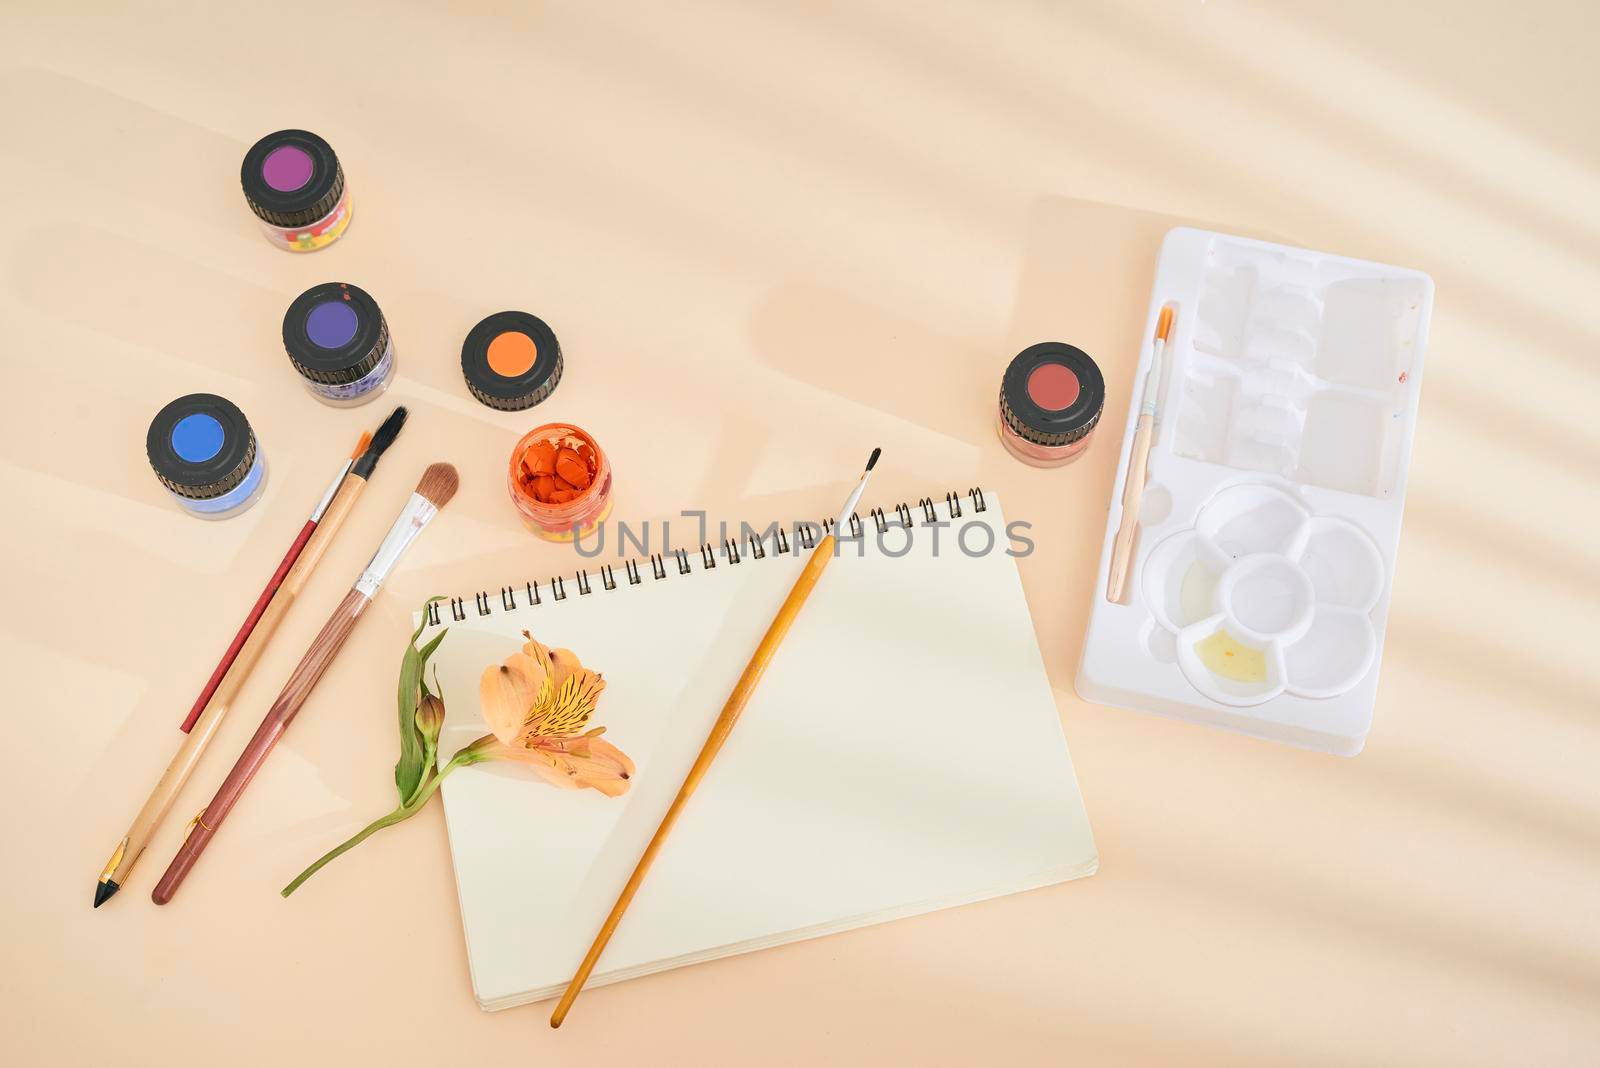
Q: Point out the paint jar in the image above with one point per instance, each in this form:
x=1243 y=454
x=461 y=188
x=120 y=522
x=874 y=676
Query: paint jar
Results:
x=541 y=464
x=511 y=361
x=205 y=454
x=339 y=342
x=1050 y=401
x=294 y=184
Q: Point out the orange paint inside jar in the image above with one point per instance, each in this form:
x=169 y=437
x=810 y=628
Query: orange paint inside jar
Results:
x=560 y=481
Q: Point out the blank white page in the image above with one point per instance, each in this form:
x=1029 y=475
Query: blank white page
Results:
x=902 y=754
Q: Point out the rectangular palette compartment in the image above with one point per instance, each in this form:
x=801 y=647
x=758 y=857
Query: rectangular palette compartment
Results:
x=1258 y=589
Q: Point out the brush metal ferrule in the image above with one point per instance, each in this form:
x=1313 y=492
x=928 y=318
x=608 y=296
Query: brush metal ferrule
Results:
x=115 y=862
x=843 y=520
x=328 y=494
x=413 y=517
x=1152 y=379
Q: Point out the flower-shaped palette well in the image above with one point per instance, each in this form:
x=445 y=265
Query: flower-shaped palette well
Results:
x=1265 y=598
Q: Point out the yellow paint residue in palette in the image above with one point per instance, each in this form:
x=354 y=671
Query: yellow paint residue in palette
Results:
x=1228 y=658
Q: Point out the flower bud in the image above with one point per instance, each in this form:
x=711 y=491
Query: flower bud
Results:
x=430 y=718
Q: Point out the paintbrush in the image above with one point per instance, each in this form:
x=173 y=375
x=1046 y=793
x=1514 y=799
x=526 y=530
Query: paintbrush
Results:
x=314 y=538
x=742 y=691
x=439 y=483
x=275 y=583
x=1138 y=459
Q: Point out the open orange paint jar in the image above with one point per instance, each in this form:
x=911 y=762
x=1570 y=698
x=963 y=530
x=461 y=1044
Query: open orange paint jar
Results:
x=560 y=482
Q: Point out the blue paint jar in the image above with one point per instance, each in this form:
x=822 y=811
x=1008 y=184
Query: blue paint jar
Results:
x=206 y=455
x=339 y=343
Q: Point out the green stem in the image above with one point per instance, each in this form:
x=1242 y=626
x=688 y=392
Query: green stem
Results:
x=466 y=756
x=433 y=784
x=430 y=759
x=399 y=814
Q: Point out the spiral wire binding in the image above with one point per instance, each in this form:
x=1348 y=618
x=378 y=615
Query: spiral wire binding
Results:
x=806 y=536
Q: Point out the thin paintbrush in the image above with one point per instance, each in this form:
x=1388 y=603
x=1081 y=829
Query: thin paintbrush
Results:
x=273 y=585
x=326 y=520
x=1138 y=459
x=439 y=483
x=742 y=691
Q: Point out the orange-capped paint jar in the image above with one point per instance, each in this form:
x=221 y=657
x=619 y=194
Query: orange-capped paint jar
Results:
x=560 y=482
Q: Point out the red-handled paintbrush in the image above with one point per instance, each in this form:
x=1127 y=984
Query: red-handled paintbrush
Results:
x=273 y=584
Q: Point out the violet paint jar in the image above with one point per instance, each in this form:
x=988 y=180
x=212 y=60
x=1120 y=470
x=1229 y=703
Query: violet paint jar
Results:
x=339 y=343
x=295 y=186
x=206 y=455
x=1051 y=398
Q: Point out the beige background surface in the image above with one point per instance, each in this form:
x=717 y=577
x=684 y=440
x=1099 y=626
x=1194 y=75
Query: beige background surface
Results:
x=769 y=236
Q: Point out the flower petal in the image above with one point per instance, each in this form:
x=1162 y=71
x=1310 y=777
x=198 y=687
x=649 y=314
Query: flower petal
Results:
x=598 y=765
x=563 y=665
x=540 y=653
x=507 y=693
x=571 y=704
x=542 y=762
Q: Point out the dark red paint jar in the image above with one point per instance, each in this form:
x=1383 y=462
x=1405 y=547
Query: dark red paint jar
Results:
x=1051 y=398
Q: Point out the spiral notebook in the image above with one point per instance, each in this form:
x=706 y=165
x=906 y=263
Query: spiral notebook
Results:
x=902 y=754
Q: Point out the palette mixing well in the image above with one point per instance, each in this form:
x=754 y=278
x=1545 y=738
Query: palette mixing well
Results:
x=1285 y=420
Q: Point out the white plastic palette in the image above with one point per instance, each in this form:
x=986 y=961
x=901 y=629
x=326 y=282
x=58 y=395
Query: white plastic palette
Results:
x=1259 y=586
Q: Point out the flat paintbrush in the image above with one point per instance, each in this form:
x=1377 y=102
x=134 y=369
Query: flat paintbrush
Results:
x=439 y=483
x=315 y=537
x=746 y=686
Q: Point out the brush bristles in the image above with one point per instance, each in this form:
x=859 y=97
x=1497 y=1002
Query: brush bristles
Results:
x=872 y=460
x=382 y=438
x=361 y=444
x=388 y=430
x=439 y=483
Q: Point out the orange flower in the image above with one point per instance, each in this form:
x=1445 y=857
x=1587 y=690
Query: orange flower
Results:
x=537 y=705
x=572 y=763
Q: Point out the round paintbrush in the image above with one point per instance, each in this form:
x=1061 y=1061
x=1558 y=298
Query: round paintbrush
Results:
x=746 y=686
x=1138 y=458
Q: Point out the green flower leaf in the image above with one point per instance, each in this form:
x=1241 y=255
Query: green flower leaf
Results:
x=409 y=768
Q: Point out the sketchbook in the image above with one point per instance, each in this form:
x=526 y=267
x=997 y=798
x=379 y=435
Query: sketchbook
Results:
x=902 y=754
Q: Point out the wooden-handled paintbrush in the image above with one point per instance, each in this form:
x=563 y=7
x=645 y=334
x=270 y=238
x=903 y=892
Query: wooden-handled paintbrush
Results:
x=315 y=536
x=1138 y=459
x=746 y=686
x=438 y=485
x=275 y=583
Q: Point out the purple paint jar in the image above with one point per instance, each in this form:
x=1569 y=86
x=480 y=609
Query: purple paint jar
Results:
x=339 y=342
x=295 y=185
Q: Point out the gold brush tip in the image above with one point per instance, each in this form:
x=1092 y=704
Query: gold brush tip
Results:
x=361 y=445
x=1164 y=324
